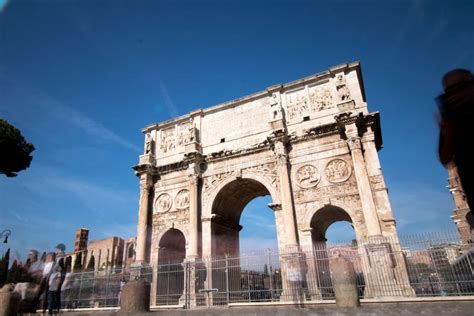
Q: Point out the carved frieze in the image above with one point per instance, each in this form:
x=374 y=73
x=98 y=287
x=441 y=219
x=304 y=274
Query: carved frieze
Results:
x=321 y=193
x=163 y=203
x=212 y=182
x=337 y=170
x=181 y=200
x=168 y=139
x=163 y=222
x=186 y=134
x=307 y=176
x=351 y=200
x=267 y=170
x=320 y=99
x=297 y=104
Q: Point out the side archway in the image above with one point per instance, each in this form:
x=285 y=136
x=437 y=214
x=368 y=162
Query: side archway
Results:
x=170 y=274
x=324 y=214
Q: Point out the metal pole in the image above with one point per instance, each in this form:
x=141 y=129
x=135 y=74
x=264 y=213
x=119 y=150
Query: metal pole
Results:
x=227 y=278
x=270 y=273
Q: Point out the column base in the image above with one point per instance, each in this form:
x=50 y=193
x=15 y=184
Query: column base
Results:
x=381 y=276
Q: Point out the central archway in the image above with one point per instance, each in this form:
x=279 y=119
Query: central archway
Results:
x=227 y=209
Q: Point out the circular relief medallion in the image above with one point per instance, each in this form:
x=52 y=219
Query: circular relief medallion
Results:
x=163 y=203
x=182 y=199
x=307 y=176
x=337 y=170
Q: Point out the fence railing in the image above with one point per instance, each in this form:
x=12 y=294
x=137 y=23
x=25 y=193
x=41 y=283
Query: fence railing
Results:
x=416 y=266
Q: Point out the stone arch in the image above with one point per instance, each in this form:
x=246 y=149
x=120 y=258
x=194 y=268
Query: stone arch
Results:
x=171 y=254
x=226 y=205
x=178 y=226
x=258 y=178
x=172 y=246
x=328 y=212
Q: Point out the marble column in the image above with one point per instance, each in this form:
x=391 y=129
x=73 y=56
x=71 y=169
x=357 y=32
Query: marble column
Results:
x=193 y=217
x=285 y=191
x=142 y=229
x=363 y=185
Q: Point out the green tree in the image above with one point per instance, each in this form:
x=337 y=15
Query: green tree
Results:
x=14 y=274
x=4 y=267
x=78 y=263
x=16 y=152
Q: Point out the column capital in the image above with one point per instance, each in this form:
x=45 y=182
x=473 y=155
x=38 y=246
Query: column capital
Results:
x=354 y=143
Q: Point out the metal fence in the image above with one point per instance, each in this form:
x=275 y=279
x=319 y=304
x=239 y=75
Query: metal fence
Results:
x=423 y=265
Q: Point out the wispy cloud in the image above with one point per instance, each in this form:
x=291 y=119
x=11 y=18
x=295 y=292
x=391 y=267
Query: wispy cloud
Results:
x=171 y=108
x=77 y=119
x=249 y=244
x=415 y=203
x=413 y=15
x=257 y=220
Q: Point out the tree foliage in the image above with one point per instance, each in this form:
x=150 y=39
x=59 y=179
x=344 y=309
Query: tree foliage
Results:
x=4 y=267
x=15 y=150
x=15 y=273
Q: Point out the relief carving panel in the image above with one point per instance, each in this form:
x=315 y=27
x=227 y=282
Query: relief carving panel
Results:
x=322 y=193
x=163 y=203
x=186 y=134
x=307 y=176
x=297 y=104
x=320 y=99
x=181 y=200
x=167 y=142
x=337 y=170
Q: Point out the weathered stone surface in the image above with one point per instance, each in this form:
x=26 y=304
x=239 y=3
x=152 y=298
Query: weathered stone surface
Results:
x=9 y=301
x=344 y=282
x=135 y=297
x=310 y=144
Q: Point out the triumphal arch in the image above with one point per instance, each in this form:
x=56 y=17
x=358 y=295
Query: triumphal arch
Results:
x=310 y=144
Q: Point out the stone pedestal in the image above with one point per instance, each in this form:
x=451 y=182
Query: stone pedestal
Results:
x=9 y=301
x=135 y=297
x=381 y=278
x=293 y=271
x=344 y=282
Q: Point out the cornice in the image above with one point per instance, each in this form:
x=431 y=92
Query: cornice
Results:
x=321 y=76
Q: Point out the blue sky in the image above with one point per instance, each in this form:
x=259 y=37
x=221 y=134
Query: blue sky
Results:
x=80 y=78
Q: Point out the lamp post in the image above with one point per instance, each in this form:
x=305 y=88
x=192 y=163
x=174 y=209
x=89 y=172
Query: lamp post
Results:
x=5 y=234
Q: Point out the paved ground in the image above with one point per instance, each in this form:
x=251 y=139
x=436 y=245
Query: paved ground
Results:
x=460 y=308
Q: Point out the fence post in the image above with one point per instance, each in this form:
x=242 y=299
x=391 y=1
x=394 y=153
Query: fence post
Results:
x=107 y=288
x=269 y=257
x=80 y=290
x=227 y=278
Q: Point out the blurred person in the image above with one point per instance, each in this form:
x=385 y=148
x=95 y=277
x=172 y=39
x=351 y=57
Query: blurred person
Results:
x=34 y=266
x=54 y=282
x=456 y=109
x=122 y=284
